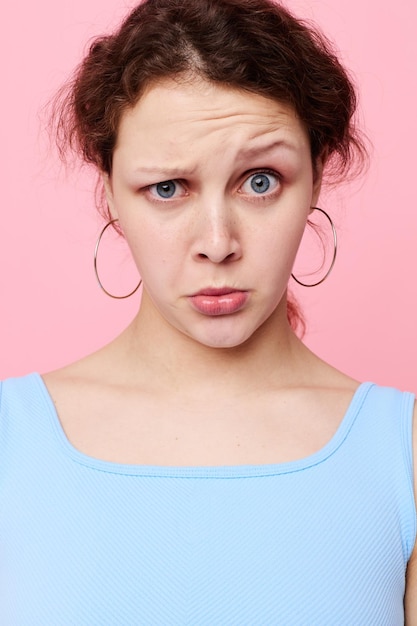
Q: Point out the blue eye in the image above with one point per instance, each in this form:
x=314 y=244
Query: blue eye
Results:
x=166 y=189
x=260 y=183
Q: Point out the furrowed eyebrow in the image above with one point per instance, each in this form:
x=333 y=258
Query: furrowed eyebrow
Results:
x=168 y=172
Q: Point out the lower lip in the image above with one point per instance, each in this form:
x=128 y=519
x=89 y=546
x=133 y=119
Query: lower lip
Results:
x=220 y=305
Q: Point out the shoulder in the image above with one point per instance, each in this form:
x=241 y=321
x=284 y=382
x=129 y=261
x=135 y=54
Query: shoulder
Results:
x=22 y=400
x=19 y=389
x=414 y=439
x=23 y=407
x=411 y=587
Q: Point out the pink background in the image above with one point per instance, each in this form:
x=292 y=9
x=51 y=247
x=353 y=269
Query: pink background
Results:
x=361 y=320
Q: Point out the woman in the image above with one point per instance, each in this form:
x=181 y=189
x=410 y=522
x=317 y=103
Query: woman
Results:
x=206 y=467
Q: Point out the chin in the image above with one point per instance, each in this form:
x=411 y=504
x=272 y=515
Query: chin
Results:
x=222 y=340
x=226 y=332
x=223 y=345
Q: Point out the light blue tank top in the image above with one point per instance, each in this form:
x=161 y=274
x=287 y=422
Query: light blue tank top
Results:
x=319 y=541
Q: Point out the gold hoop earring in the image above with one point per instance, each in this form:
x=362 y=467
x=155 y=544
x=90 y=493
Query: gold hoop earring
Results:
x=96 y=269
x=316 y=208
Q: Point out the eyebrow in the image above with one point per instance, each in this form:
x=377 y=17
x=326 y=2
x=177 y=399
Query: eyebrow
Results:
x=169 y=171
x=173 y=172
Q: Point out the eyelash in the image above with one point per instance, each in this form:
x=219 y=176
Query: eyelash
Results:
x=251 y=175
x=157 y=198
x=269 y=194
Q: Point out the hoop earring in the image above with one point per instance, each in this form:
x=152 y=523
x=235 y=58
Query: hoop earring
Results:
x=96 y=270
x=316 y=208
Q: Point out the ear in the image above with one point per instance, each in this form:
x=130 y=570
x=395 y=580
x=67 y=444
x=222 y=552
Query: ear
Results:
x=108 y=190
x=318 y=176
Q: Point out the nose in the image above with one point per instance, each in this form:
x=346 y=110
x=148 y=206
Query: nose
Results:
x=216 y=236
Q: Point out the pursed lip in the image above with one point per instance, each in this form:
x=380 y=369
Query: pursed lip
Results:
x=217 y=291
x=216 y=301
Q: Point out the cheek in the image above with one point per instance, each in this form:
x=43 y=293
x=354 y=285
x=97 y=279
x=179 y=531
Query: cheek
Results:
x=156 y=256
x=278 y=243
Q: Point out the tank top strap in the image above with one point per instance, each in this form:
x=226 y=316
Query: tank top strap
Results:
x=386 y=417
x=379 y=451
x=25 y=422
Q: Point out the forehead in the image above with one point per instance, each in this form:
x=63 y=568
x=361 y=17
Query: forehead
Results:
x=175 y=115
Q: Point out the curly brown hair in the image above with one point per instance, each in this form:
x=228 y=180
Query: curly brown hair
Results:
x=254 y=45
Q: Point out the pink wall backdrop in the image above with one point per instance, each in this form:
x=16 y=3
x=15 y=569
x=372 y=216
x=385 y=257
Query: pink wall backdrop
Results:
x=362 y=320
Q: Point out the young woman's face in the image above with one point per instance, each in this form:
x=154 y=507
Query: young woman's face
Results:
x=212 y=187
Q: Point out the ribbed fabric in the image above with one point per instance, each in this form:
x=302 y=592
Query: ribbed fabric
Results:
x=320 y=541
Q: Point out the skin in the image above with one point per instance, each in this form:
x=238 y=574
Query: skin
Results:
x=274 y=400
x=212 y=232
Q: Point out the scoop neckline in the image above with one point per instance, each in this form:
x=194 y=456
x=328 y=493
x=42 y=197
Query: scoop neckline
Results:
x=205 y=471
